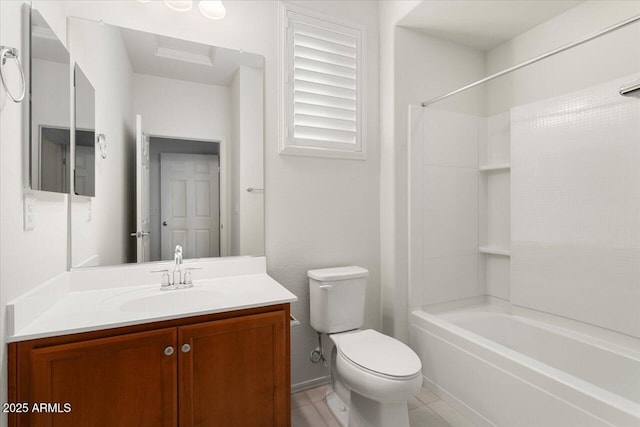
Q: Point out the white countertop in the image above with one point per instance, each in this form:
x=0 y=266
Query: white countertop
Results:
x=97 y=309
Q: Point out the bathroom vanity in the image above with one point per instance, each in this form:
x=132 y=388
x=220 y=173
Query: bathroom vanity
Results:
x=215 y=354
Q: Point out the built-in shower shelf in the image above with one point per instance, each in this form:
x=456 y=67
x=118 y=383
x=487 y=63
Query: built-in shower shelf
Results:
x=492 y=250
x=495 y=167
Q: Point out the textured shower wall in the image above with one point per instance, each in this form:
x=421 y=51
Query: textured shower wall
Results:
x=576 y=206
x=443 y=192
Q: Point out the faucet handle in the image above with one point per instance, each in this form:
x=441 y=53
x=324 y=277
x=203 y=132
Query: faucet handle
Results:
x=166 y=281
x=187 y=275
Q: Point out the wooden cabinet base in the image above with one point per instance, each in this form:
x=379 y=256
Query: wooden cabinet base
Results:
x=226 y=369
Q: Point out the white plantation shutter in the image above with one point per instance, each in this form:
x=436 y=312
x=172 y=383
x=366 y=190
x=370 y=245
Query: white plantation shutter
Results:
x=323 y=86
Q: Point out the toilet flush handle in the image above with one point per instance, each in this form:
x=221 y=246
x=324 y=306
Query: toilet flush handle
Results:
x=325 y=286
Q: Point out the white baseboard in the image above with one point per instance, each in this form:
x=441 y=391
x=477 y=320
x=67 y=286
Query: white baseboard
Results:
x=305 y=385
x=92 y=261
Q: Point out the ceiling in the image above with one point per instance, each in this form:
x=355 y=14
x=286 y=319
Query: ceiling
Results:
x=172 y=58
x=482 y=24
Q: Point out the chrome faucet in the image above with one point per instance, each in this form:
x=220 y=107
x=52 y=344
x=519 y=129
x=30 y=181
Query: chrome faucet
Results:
x=180 y=278
x=177 y=256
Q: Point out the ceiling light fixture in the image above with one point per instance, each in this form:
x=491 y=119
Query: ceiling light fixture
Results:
x=212 y=9
x=179 y=5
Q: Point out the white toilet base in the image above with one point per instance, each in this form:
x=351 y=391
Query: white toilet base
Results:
x=364 y=412
x=338 y=408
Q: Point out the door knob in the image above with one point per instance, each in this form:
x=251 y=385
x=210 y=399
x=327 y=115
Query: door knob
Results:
x=186 y=348
x=168 y=351
x=164 y=223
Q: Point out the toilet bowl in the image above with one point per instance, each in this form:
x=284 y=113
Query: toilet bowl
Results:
x=373 y=375
x=381 y=374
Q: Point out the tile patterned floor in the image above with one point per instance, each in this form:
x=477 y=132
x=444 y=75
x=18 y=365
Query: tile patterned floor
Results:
x=309 y=409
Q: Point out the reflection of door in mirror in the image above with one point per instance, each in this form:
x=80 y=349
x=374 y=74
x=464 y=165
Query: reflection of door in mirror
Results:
x=160 y=193
x=50 y=121
x=53 y=171
x=190 y=206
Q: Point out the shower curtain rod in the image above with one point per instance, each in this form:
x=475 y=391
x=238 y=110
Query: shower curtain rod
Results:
x=536 y=59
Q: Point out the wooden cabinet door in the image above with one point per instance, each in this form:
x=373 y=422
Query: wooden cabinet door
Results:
x=123 y=381
x=235 y=373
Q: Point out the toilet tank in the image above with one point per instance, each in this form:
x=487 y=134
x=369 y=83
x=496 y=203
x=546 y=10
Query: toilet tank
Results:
x=337 y=297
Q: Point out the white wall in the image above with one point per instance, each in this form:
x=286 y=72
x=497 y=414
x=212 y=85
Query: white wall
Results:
x=325 y=212
x=393 y=298
x=247 y=208
x=181 y=109
x=107 y=217
x=319 y=212
x=234 y=195
x=441 y=66
x=608 y=57
x=45 y=246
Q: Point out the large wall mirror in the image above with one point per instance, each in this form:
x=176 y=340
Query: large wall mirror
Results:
x=183 y=126
x=49 y=147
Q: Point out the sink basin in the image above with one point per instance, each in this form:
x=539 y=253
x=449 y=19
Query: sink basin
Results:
x=180 y=299
x=155 y=301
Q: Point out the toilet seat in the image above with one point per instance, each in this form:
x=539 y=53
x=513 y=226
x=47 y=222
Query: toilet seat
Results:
x=379 y=355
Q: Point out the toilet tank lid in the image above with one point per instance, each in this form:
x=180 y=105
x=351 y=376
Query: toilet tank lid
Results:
x=338 y=273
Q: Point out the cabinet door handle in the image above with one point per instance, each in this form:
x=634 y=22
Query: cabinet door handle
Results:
x=168 y=351
x=186 y=348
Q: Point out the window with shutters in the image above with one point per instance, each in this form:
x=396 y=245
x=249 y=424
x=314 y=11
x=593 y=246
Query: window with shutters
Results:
x=321 y=99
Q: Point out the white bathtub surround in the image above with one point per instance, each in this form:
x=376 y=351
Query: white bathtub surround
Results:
x=107 y=297
x=503 y=365
x=576 y=206
x=575 y=215
x=494 y=214
x=459 y=186
x=444 y=205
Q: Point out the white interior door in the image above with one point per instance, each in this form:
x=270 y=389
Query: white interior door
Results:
x=190 y=205
x=143 y=224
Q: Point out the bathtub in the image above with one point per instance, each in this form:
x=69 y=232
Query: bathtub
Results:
x=510 y=367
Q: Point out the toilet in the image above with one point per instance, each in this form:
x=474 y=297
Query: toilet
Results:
x=372 y=375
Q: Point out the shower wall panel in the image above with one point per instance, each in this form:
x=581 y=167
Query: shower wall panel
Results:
x=444 y=205
x=575 y=195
